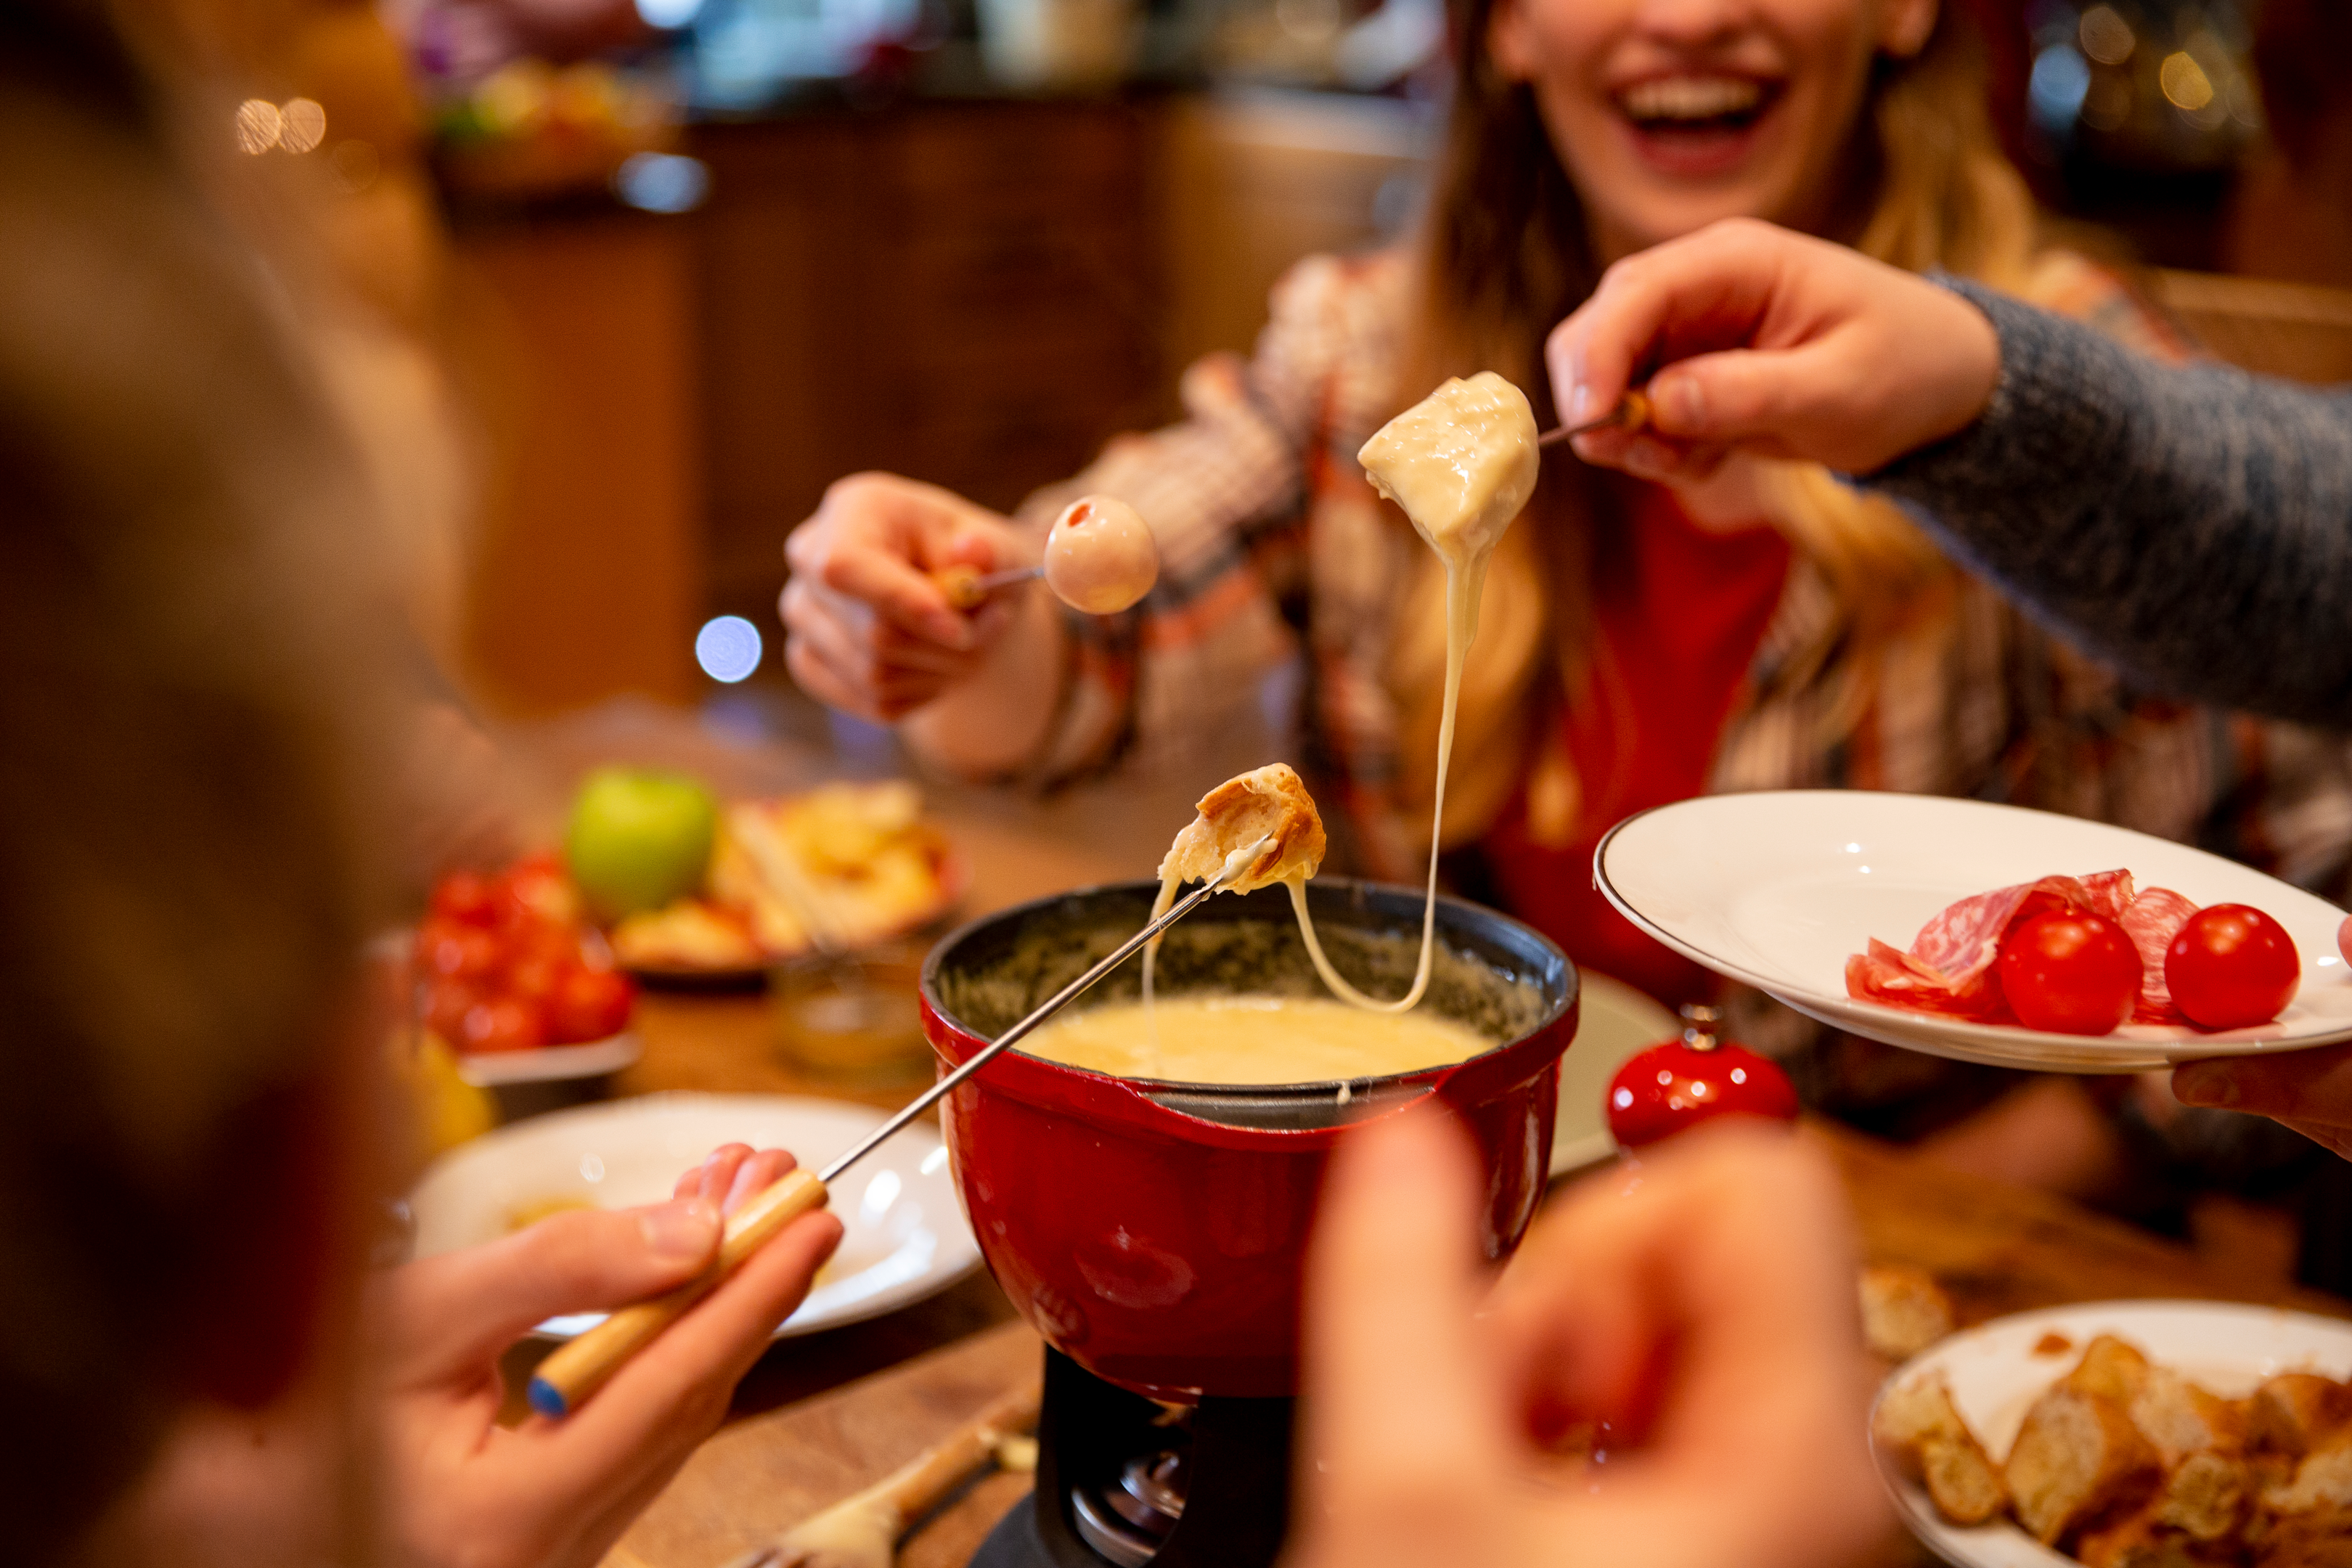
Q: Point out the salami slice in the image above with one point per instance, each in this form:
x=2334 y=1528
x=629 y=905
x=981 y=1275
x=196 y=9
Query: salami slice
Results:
x=1948 y=970
x=2154 y=919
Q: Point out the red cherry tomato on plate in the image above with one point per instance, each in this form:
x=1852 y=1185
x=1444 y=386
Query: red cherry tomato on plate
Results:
x=467 y=898
x=446 y=1002
x=2070 y=973
x=1669 y=1086
x=588 y=1005
x=2231 y=966
x=501 y=1024
x=456 y=952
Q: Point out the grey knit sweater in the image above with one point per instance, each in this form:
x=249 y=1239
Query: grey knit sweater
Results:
x=2193 y=525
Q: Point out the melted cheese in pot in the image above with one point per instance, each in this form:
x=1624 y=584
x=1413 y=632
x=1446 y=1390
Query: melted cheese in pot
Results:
x=1251 y=1040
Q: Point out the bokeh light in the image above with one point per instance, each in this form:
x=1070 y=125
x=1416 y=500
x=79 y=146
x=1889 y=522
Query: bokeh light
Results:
x=258 y=125
x=727 y=648
x=302 y=125
x=2107 y=38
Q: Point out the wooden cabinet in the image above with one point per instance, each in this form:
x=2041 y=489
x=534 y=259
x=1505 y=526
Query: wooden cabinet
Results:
x=967 y=293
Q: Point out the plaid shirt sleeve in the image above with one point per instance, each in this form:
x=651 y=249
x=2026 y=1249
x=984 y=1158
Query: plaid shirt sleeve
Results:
x=1225 y=491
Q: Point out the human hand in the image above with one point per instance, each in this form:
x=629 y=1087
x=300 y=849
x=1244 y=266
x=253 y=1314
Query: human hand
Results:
x=1697 y=1311
x=548 y=1494
x=868 y=631
x=2310 y=1091
x=1762 y=340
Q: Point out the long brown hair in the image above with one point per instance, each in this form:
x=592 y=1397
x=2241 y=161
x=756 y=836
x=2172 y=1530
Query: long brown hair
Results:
x=1504 y=255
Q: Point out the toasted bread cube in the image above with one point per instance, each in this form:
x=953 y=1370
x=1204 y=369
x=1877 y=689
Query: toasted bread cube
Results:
x=2296 y=1412
x=1270 y=803
x=2076 y=1457
x=2320 y=1540
x=2111 y=1369
x=1918 y=1424
x=2204 y=1496
x=2180 y=1418
x=1904 y=1310
x=2137 y=1541
x=2322 y=1482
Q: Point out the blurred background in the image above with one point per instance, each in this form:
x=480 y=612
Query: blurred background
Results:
x=687 y=260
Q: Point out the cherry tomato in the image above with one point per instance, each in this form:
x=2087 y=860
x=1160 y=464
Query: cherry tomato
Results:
x=2070 y=973
x=501 y=1024
x=537 y=891
x=467 y=898
x=2344 y=939
x=588 y=1005
x=1669 y=1086
x=2231 y=966
x=446 y=1002
x=458 y=952
x=534 y=976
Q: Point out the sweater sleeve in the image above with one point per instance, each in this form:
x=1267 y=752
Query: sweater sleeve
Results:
x=2192 y=525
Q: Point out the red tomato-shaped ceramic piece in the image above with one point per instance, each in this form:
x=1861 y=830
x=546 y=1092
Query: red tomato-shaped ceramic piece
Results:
x=1681 y=1083
x=2231 y=966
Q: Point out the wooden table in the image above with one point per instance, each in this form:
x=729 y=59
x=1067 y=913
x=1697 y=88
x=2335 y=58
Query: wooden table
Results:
x=1997 y=1249
x=824 y=1415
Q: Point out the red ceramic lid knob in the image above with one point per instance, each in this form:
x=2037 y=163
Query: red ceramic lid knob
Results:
x=1682 y=1083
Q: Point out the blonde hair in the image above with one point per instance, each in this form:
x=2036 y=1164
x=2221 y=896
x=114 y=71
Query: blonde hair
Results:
x=1504 y=256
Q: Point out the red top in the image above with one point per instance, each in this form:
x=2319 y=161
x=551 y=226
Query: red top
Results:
x=1680 y=611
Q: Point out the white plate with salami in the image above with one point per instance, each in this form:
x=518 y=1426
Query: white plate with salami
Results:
x=1781 y=889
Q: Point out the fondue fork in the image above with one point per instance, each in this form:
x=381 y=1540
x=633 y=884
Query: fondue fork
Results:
x=1633 y=411
x=577 y=1370
x=968 y=590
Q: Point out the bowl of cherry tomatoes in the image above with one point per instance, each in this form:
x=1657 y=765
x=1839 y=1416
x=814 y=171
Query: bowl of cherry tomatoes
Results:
x=511 y=974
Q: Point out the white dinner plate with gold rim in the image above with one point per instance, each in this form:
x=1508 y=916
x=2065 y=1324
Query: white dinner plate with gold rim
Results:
x=904 y=1231
x=1612 y=1021
x=1777 y=888
x=1997 y=1370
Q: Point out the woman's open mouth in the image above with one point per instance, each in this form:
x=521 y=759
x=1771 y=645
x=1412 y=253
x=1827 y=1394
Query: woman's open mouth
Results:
x=1696 y=124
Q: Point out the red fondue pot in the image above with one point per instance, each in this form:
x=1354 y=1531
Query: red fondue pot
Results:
x=1154 y=1232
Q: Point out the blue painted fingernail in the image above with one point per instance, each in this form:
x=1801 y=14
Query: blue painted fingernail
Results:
x=547 y=1400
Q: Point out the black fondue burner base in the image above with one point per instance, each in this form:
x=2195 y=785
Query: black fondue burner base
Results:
x=1118 y=1485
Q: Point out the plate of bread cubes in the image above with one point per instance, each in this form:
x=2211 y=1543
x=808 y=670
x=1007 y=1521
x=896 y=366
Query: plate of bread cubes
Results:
x=2118 y=1434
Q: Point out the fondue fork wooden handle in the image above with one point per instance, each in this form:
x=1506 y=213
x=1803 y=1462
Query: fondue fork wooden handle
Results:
x=577 y=1370
x=1632 y=412
x=864 y=1526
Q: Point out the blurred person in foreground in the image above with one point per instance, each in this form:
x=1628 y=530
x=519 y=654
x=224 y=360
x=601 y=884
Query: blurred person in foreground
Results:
x=205 y=675
x=1640 y=642
x=1687 y=1325
x=2193 y=524
x=199 y=666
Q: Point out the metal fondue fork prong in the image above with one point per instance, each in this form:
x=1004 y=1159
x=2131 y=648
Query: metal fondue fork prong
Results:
x=1632 y=412
x=575 y=1371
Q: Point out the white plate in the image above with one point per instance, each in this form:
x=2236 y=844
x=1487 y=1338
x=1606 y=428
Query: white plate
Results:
x=905 y=1231
x=1613 y=1021
x=548 y=1064
x=1775 y=888
x=1994 y=1376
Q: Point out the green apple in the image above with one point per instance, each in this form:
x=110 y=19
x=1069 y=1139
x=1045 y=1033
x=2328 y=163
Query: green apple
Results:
x=639 y=838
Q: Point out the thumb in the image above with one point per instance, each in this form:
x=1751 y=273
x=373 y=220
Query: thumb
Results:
x=1743 y=396
x=1395 y=1396
x=474 y=1303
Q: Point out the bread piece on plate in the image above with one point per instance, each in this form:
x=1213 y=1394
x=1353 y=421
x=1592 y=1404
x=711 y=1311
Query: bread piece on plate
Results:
x=2139 y=1540
x=2319 y=1539
x=2111 y=1369
x=2297 y=1412
x=2322 y=1482
x=2180 y=1418
x=1904 y=1310
x=2204 y=1496
x=1923 y=1431
x=2077 y=1459
x=1269 y=803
